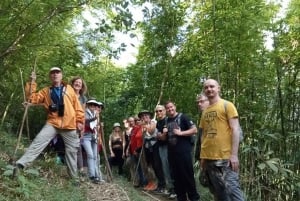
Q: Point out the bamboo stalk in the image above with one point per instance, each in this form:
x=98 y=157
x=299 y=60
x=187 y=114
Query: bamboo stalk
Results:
x=105 y=154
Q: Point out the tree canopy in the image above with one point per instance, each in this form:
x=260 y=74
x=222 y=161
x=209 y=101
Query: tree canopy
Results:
x=184 y=43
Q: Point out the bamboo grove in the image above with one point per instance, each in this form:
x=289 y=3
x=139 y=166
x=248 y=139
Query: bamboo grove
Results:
x=182 y=43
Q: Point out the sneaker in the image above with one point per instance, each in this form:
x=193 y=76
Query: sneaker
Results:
x=96 y=180
x=166 y=192
x=172 y=196
x=147 y=186
x=152 y=187
x=158 y=190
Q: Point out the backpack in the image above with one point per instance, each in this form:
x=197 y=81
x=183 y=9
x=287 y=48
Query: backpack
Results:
x=241 y=134
x=178 y=121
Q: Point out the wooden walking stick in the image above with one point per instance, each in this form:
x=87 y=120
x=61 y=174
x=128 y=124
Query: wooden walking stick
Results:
x=138 y=163
x=24 y=97
x=24 y=115
x=109 y=172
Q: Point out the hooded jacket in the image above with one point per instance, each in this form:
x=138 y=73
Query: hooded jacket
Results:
x=73 y=112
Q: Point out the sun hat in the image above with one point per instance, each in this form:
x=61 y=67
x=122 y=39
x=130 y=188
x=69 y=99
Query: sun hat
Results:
x=116 y=125
x=92 y=101
x=145 y=112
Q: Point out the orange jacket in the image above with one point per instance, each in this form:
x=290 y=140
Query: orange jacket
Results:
x=73 y=112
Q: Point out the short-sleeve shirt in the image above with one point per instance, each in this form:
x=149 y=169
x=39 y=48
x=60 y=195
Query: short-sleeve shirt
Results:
x=217 y=134
x=179 y=144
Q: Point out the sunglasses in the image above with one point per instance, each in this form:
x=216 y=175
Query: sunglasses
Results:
x=158 y=110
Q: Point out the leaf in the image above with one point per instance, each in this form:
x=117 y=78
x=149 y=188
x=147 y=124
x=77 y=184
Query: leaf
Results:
x=262 y=166
x=8 y=172
x=271 y=163
x=32 y=171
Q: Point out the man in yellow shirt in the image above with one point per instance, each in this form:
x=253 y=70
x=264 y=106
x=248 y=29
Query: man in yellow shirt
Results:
x=219 y=145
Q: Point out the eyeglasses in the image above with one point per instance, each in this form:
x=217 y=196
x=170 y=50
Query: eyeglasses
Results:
x=202 y=101
x=158 y=110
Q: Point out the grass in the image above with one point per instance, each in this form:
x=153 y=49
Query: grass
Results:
x=44 y=180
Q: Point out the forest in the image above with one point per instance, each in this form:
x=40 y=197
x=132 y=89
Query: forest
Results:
x=249 y=46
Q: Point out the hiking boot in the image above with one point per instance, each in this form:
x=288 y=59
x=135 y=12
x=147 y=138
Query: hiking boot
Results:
x=16 y=170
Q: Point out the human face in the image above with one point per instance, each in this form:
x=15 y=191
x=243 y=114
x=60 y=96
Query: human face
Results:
x=171 y=109
x=92 y=107
x=56 y=77
x=117 y=129
x=77 y=85
x=160 y=112
x=146 y=118
x=211 y=88
x=131 y=122
x=202 y=103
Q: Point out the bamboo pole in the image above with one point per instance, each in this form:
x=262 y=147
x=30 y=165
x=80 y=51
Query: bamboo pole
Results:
x=109 y=172
x=24 y=97
x=25 y=113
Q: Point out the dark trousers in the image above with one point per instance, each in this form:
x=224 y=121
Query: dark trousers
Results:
x=153 y=159
x=181 y=165
x=117 y=160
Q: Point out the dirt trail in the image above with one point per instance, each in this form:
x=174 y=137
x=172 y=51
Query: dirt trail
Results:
x=106 y=191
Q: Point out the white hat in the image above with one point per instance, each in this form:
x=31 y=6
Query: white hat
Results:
x=92 y=101
x=101 y=104
x=55 y=69
x=116 y=125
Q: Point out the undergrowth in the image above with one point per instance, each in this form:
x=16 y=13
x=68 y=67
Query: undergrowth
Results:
x=44 y=180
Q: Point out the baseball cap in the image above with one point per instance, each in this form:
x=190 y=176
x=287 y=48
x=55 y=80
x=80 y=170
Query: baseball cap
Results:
x=55 y=69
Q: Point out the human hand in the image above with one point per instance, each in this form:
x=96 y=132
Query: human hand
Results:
x=177 y=131
x=33 y=76
x=234 y=163
x=80 y=126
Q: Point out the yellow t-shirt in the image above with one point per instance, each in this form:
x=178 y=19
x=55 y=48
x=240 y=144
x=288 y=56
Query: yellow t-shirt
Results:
x=216 y=132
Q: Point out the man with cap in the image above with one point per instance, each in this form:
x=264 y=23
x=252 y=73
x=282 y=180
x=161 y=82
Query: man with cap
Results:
x=65 y=115
x=116 y=145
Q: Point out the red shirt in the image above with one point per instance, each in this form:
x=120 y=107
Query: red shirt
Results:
x=136 y=138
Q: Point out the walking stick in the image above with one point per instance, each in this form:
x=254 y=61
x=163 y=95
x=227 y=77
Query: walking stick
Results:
x=138 y=163
x=24 y=97
x=24 y=116
x=105 y=154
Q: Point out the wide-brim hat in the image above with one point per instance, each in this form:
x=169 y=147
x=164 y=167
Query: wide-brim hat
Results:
x=92 y=102
x=116 y=125
x=100 y=104
x=145 y=112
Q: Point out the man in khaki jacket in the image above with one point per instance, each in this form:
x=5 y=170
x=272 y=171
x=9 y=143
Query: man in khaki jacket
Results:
x=65 y=115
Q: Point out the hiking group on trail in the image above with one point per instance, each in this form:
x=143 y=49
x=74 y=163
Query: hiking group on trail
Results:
x=155 y=154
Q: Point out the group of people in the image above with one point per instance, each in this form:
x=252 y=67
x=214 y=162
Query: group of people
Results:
x=72 y=119
x=157 y=152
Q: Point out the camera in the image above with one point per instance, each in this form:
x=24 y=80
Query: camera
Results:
x=57 y=108
x=53 y=108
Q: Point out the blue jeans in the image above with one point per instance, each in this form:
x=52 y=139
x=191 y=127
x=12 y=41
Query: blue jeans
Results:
x=163 y=153
x=91 y=149
x=223 y=181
